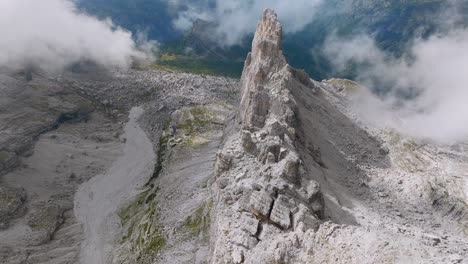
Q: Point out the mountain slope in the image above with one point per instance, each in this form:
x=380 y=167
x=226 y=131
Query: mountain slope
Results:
x=276 y=168
x=298 y=181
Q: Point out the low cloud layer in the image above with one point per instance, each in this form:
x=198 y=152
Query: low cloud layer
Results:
x=428 y=86
x=237 y=19
x=53 y=34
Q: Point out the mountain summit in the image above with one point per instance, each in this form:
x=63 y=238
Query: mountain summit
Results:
x=143 y=166
x=300 y=181
x=260 y=170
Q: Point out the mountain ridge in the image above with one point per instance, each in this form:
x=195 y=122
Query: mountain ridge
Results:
x=272 y=168
x=298 y=181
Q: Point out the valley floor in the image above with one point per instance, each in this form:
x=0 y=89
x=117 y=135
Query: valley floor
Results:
x=98 y=201
x=45 y=229
x=73 y=166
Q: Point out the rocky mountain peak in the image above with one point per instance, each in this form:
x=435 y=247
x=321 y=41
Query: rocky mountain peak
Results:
x=263 y=68
x=267 y=42
x=260 y=171
x=289 y=181
x=298 y=177
x=267 y=78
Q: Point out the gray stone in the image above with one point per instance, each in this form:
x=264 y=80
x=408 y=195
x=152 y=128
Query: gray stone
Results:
x=261 y=203
x=291 y=168
x=223 y=163
x=247 y=142
x=249 y=223
x=238 y=255
x=11 y=203
x=281 y=213
x=270 y=158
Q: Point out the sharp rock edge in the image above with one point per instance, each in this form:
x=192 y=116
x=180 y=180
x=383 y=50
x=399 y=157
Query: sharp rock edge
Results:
x=299 y=180
x=262 y=190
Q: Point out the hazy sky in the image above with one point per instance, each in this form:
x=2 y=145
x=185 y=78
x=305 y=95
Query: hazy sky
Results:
x=53 y=33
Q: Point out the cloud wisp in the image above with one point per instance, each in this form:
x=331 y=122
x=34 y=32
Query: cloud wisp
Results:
x=236 y=19
x=433 y=72
x=53 y=34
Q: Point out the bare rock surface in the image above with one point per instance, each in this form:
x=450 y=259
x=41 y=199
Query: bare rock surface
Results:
x=58 y=132
x=28 y=109
x=172 y=214
x=303 y=180
x=97 y=201
x=284 y=172
x=263 y=189
x=43 y=228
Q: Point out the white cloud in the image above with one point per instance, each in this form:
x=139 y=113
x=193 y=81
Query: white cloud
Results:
x=437 y=69
x=237 y=19
x=52 y=34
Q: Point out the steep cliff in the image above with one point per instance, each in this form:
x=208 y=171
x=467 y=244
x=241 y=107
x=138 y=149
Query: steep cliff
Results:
x=284 y=172
x=262 y=189
x=299 y=181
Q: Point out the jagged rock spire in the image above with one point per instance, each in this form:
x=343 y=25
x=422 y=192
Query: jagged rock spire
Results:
x=267 y=77
x=267 y=43
x=265 y=59
x=278 y=196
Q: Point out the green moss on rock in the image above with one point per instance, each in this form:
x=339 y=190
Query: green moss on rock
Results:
x=144 y=236
x=199 y=222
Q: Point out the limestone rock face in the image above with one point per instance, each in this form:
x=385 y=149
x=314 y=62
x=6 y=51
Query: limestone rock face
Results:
x=265 y=60
x=265 y=179
x=299 y=177
x=301 y=181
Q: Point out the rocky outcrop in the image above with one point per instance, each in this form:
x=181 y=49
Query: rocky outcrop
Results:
x=31 y=108
x=56 y=132
x=262 y=189
x=168 y=222
x=301 y=180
